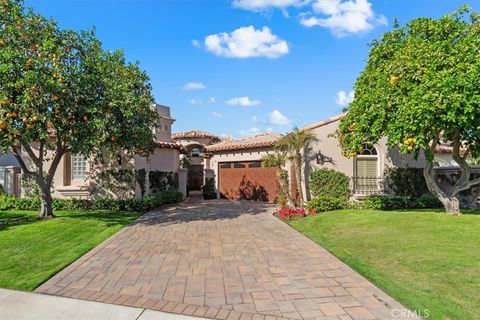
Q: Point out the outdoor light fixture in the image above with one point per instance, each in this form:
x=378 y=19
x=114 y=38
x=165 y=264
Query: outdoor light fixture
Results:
x=321 y=159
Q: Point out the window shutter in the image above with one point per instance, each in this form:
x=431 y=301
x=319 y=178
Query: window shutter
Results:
x=67 y=169
x=366 y=167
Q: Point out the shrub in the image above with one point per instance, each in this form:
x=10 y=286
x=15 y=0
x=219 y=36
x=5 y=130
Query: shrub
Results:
x=327 y=203
x=328 y=182
x=209 y=189
x=408 y=182
x=428 y=201
x=2 y=191
x=162 y=181
x=132 y=204
x=387 y=202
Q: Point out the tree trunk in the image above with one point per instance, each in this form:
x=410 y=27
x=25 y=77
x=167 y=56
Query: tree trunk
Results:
x=284 y=186
x=450 y=202
x=452 y=205
x=298 y=176
x=46 y=209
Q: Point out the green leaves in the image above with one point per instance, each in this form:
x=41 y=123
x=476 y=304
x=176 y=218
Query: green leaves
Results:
x=420 y=80
x=61 y=85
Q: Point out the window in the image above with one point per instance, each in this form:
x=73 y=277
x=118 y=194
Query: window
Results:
x=238 y=165
x=195 y=153
x=256 y=164
x=227 y=165
x=366 y=170
x=79 y=166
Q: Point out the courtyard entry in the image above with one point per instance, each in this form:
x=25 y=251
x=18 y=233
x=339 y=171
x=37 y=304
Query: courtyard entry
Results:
x=195 y=177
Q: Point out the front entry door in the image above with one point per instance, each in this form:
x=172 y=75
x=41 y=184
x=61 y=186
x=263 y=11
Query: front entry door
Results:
x=195 y=177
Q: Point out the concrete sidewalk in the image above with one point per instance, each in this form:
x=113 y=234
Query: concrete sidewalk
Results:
x=19 y=305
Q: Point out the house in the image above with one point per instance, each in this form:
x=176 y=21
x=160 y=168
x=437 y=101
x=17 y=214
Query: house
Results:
x=10 y=174
x=75 y=178
x=366 y=170
x=195 y=143
x=238 y=170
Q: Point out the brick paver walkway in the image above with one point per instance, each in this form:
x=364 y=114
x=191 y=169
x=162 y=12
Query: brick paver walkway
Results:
x=223 y=260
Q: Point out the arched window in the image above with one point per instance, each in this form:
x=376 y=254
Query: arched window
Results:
x=195 y=153
x=366 y=170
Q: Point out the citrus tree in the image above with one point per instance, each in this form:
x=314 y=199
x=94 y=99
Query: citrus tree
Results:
x=61 y=92
x=420 y=88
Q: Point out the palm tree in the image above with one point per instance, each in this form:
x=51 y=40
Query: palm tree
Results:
x=278 y=160
x=293 y=144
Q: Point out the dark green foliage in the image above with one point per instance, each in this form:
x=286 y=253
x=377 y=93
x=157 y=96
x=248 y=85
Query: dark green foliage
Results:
x=428 y=201
x=385 y=202
x=141 y=178
x=2 y=191
x=162 y=181
x=407 y=182
x=209 y=189
x=328 y=182
x=132 y=204
x=327 y=203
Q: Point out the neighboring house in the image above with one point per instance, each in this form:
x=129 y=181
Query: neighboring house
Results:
x=195 y=142
x=73 y=178
x=238 y=169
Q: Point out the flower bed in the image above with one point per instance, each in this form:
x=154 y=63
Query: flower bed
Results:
x=293 y=213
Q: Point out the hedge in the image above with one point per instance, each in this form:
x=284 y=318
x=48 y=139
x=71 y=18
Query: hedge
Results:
x=141 y=205
x=326 y=203
x=385 y=202
x=329 y=182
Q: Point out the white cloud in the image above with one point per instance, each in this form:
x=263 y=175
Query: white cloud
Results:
x=259 y=5
x=242 y=102
x=195 y=101
x=249 y=132
x=191 y=86
x=211 y=100
x=343 y=18
x=277 y=118
x=196 y=43
x=246 y=42
x=217 y=114
x=343 y=99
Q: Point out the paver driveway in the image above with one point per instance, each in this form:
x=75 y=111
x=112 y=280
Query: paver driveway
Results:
x=221 y=259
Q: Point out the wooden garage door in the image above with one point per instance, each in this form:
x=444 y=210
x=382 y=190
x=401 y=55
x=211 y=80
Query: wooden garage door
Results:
x=247 y=181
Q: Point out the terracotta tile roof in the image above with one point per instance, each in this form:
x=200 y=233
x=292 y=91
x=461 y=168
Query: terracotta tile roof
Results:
x=322 y=123
x=257 y=141
x=194 y=134
x=170 y=145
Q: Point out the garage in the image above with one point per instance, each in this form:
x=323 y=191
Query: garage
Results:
x=247 y=180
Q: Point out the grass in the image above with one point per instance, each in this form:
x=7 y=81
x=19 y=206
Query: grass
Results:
x=32 y=251
x=425 y=260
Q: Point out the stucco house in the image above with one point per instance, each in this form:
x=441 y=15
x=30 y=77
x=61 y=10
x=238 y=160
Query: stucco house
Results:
x=73 y=178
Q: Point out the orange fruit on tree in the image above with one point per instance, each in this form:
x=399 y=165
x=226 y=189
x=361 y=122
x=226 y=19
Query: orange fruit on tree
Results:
x=3 y=125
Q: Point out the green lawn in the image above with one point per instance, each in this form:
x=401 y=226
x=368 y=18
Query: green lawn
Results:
x=426 y=260
x=31 y=251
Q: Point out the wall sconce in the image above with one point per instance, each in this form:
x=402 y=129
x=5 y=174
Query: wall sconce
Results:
x=321 y=159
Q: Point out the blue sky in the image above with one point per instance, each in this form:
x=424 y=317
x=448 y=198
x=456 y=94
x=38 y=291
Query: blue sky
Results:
x=239 y=67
